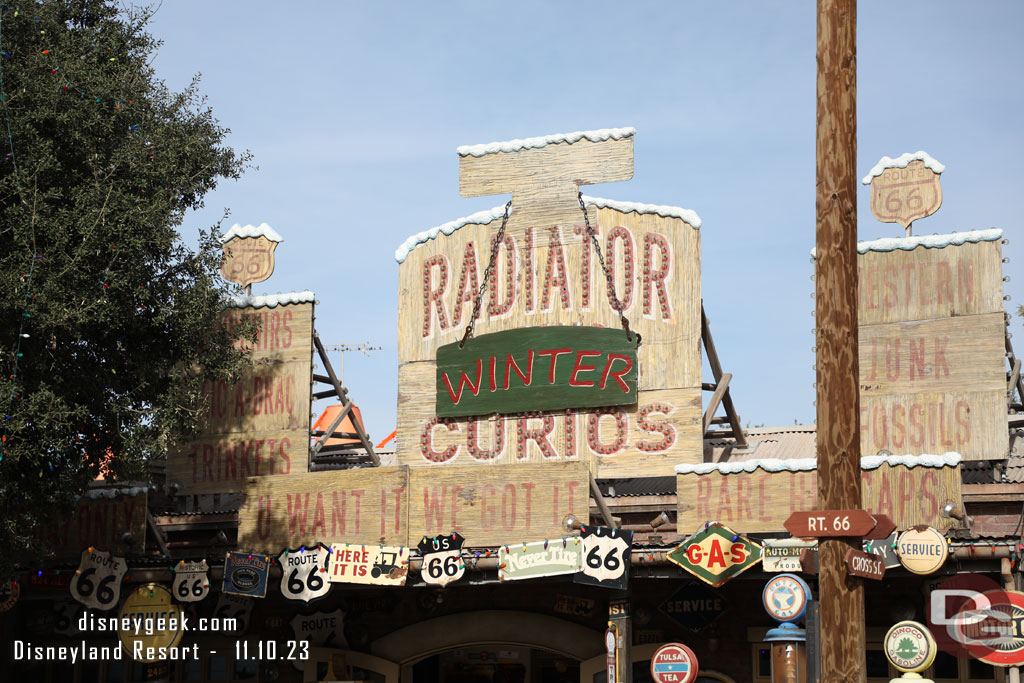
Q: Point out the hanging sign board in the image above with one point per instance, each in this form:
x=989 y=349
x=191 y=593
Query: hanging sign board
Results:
x=384 y=565
x=442 y=559
x=246 y=574
x=97 y=582
x=540 y=558
x=829 y=523
x=910 y=647
x=783 y=554
x=321 y=629
x=694 y=606
x=922 y=550
x=536 y=369
x=607 y=554
x=191 y=581
x=237 y=607
x=864 y=565
x=304 y=572
x=101 y=522
x=163 y=623
x=716 y=554
x=785 y=597
x=674 y=663
x=885 y=548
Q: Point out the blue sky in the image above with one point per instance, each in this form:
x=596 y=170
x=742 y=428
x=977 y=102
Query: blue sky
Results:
x=353 y=112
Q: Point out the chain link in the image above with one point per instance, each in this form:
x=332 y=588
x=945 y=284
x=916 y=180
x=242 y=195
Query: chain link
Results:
x=487 y=276
x=616 y=304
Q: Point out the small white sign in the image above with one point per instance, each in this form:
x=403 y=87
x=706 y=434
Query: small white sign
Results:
x=304 y=573
x=605 y=553
x=378 y=564
x=191 y=581
x=783 y=554
x=97 y=582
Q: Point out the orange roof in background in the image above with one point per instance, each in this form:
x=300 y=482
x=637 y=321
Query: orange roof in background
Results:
x=325 y=420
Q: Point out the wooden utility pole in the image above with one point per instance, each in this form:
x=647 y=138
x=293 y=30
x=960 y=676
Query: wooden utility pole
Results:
x=838 y=403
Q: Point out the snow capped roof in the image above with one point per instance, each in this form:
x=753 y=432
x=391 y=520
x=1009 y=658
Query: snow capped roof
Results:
x=538 y=142
x=272 y=300
x=488 y=215
x=261 y=230
x=927 y=241
x=869 y=462
x=901 y=162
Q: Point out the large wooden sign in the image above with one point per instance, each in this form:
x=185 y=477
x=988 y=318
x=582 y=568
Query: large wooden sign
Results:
x=911 y=490
x=536 y=369
x=259 y=426
x=495 y=505
x=931 y=329
x=547 y=273
x=905 y=189
x=103 y=523
x=343 y=506
x=249 y=253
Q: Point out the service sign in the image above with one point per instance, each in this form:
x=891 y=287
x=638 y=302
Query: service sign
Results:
x=304 y=572
x=246 y=574
x=191 y=581
x=97 y=582
x=540 y=558
x=385 y=565
x=785 y=597
x=694 y=606
x=321 y=629
x=607 y=554
x=910 y=647
x=237 y=607
x=156 y=624
x=922 y=551
x=535 y=369
x=442 y=558
x=783 y=554
x=716 y=554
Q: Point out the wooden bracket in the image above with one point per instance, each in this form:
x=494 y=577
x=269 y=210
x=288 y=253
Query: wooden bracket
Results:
x=1015 y=384
x=720 y=387
x=346 y=408
x=158 y=534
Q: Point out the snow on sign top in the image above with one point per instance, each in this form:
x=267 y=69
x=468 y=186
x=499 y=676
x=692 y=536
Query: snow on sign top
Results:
x=261 y=230
x=484 y=217
x=868 y=462
x=901 y=162
x=927 y=241
x=272 y=300
x=543 y=141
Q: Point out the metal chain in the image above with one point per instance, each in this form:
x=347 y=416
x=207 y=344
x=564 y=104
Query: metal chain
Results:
x=487 y=275
x=616 y=304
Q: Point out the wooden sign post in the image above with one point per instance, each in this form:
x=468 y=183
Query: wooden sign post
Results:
x=838 y=398
x=830 y=523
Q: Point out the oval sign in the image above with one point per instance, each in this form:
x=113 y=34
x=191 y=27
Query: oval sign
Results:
x=910 y=647
x=1009 y=650
x=922 y=552
x=150 y=643
x=785 y=597
x=245 y=579
x=674 y=663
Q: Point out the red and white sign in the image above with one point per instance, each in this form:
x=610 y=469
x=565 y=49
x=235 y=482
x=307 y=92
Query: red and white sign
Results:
x=674 y=663
x=610 y=636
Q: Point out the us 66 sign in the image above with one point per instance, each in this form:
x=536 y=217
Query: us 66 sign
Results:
x=442 y=558
x=191 y=581
x=607 y=553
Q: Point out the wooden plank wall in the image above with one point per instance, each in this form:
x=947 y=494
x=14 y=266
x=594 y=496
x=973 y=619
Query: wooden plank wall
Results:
x=258 y=426
x=932 y=365
x=100 y=522
x=435 y=304
x=760 y=501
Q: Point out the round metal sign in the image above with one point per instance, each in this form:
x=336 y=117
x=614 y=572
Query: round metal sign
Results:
x=910 y=647
x=922 y=552
x=163 y=625
x=1007 y=650
x=785 y=597
x=674 y=663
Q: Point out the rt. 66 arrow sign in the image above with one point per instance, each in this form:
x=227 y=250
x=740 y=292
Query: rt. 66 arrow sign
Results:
x=818 y=523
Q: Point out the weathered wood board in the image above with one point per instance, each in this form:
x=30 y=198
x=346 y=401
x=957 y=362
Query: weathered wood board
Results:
x=340 y=506
x=648 y=439
x=760 y=501
x=258 y=426
x=100 y=523
x=925 y=283
x=550 y=279
x=499 y=504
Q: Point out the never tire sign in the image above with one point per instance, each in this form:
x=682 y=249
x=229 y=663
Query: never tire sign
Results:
x=674 y=663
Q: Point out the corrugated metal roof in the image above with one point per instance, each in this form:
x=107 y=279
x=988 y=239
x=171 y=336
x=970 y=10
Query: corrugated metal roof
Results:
x=640 y=486
x=784 y=443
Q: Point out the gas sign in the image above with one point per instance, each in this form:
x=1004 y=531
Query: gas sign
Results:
x=716 y=554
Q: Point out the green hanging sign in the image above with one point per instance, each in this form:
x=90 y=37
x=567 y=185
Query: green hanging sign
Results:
x=716 y=554
x=535 y=369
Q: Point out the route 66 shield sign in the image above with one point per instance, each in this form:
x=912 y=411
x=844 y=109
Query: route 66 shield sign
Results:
x=97 y=581
x=304 y=572
x=191 y=581
x=902 y=195
x=442 y=558
x=248 y=255
x=235 y=607
x=607 y=553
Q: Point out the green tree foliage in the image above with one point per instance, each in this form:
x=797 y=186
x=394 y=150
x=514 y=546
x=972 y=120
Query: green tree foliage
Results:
x=102 y=302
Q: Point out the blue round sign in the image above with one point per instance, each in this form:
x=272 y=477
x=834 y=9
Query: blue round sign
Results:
x=785 y=597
